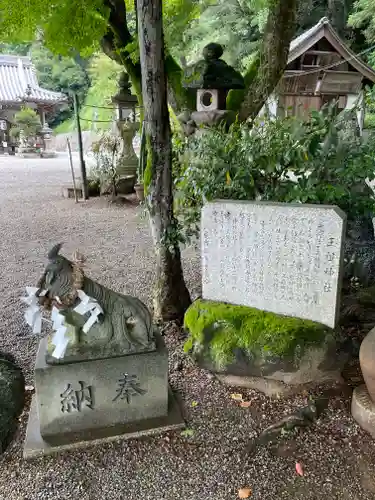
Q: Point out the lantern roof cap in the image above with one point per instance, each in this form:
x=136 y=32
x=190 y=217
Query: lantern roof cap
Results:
x=124 y=94
x=211 y=72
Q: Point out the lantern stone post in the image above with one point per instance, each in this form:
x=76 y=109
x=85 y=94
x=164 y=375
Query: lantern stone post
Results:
x=127 y=165
x=46 y=134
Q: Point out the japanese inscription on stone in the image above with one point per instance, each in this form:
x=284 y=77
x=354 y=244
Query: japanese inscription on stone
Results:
x=278 y=257
x=128 y=387
x=75 y=399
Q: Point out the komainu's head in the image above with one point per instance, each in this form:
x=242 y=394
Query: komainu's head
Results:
x=61 y=279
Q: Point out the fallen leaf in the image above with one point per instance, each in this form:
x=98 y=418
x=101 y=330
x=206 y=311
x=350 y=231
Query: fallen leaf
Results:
x=244 y=493
x=245 y=404
x=187 y=433
x=194 y=404
x=299 y=469
x=236 y=397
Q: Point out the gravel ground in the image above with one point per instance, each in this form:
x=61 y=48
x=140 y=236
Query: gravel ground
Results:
x=214 y=461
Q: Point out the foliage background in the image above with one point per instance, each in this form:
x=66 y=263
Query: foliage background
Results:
x=322 y=160
x=189 y=25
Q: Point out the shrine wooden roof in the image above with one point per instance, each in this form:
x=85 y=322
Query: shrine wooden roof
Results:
x=19 y=83
x=323 y=29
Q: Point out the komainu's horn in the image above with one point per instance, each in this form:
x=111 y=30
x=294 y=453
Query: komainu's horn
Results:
x=54 y=252
x=79 y=258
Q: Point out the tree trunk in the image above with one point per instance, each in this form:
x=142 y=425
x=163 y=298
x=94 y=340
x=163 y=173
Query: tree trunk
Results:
x=171 y=297
x=115 y=41
x=114 y=44
x=273 y=56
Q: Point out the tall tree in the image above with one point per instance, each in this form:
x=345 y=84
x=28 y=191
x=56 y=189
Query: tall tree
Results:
x=363 y=17
x=71 y=26
x=267 y=68
x=234 y=24
x=171 y=295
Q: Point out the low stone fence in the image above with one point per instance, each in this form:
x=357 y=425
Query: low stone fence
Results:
x=59 y=141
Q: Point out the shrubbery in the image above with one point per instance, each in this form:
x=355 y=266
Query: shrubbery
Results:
x=107 y=153
x=322 y=160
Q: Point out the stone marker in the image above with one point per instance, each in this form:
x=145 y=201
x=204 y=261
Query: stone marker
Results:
x=104 y=373
x=279 y=257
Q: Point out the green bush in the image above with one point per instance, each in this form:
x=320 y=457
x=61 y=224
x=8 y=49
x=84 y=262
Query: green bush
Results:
x=370 y=121
x=107 y=154
x=317 y=161
x=230 y=327
x=27 y=122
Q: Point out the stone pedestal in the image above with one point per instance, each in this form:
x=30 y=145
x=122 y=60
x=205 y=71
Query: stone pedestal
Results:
x=48 y=151
x=128 y=163
x=81 y=402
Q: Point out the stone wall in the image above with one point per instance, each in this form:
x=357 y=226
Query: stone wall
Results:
x=59 y=141
x=88 y=137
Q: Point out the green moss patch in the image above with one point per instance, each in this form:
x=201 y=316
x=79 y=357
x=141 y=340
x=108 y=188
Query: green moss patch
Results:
x=226 y=327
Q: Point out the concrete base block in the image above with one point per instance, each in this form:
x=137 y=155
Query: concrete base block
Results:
x=363 y=409
x=125 y=184
x=28 y=155
x=48 y=154
x=68 y=192
x=35 y=446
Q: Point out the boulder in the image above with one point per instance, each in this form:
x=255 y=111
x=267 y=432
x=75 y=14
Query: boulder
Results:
x=12 y=394
x=277 y=355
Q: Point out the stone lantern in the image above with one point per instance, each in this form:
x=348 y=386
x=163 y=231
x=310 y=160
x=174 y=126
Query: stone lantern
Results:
x=46 y=134
x=212 y=79
x=127 y=165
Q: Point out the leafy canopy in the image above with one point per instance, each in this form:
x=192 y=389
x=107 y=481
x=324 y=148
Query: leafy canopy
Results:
x=363 y=17
x=67 y=25
x=70 y=26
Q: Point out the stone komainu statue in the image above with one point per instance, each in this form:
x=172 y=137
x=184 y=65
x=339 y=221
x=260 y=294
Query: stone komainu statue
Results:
x=124 y=327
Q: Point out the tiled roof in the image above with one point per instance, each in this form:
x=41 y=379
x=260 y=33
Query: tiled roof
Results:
x=18 y=82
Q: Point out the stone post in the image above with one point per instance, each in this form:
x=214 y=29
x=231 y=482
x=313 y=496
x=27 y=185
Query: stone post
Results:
x=128 y=162
x=46 y=132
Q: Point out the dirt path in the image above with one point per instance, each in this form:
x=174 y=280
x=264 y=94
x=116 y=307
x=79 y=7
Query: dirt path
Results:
x=212 y=462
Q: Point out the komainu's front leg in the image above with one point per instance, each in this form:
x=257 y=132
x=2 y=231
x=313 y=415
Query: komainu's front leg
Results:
x=121 y=328
x=74 y=335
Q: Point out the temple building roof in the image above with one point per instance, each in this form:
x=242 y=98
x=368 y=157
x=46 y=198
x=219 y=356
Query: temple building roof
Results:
x=19 y=83
x=324 y=29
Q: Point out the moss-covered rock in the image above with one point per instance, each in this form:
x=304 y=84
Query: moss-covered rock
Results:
x=12 y=392
x=245 y=341
x=227 y=327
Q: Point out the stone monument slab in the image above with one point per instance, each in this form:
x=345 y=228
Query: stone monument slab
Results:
x=101 y=393
x=279 y=257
